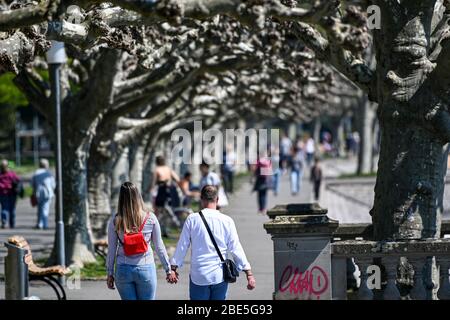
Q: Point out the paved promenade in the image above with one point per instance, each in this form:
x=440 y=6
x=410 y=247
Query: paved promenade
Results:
x=243 y=209
x=348 y=200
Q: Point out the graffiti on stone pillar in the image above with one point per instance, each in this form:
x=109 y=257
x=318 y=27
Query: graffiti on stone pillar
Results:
x=309 y=284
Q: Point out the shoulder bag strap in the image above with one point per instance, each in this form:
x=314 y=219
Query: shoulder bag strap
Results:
x=212 y=237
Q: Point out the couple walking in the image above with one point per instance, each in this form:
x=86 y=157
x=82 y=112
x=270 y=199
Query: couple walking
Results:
x=131 y=230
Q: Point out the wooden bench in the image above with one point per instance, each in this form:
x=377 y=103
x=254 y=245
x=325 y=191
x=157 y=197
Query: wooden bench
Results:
x=46 y=274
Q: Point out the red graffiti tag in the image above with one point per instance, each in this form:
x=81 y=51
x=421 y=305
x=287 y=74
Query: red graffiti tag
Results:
x=313 y=281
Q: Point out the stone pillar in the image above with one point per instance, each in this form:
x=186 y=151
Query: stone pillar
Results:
x=301 y=235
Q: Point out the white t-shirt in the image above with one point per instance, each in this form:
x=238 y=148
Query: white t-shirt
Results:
x=310 y=146
x=211 y=179
x=286 y=145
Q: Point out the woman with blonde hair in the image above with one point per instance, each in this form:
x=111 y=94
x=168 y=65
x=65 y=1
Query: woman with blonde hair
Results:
x=129 y=234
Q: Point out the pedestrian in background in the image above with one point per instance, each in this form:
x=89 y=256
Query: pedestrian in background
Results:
x=263 y=175
x=166 y=199
x=310 y=150
x=297 y=165
x=44 y=185
x=285 y=152
x=10 y=189
x=275 y=158
x=316 y=177
x=210 y=178
x=228 y=169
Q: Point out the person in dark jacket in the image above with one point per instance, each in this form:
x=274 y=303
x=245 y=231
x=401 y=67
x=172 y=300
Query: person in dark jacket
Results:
x=263 y=172
x=316 y=177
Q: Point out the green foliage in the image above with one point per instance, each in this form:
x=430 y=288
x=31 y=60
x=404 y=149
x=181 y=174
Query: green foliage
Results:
x=10 y=99
x=94 y=270
x=9 y=93
x=27 y=166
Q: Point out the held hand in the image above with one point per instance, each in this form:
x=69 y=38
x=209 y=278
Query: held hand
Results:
x=251 y=282
x=110 y=282
x=172 y=277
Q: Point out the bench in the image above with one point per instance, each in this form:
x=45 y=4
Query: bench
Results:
x=46 y=274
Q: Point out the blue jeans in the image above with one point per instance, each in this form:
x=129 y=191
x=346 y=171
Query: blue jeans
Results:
x=8 y=203
x=43 y=212
x=136 y=282
x=276 y=181
x=296 y=181
x=211 y=292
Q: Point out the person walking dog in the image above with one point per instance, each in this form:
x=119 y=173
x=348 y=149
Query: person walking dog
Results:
x=212 y=235
x=131 y=229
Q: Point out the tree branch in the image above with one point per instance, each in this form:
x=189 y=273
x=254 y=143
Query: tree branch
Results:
x=34 y=94
x=27 y=16
x=344 y=61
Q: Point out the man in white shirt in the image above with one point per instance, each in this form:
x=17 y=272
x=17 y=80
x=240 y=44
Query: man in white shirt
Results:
x=206 y=274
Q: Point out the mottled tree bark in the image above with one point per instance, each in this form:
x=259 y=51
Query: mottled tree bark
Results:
x=136 y=158
x=120 y=174
x=78 y=236
x=78 y=132
x=101 y=159
x=410 y=182
x=147 y=168
x=365 y=116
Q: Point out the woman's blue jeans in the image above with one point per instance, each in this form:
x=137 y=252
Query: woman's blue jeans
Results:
x=211 y=292
x=136 y=282
x=296 y=181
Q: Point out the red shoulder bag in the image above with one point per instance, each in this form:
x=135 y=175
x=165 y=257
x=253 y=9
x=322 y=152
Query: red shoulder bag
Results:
x=134 y=243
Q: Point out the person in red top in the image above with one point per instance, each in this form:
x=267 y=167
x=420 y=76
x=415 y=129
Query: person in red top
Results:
x=8 y=194
x=262 y=174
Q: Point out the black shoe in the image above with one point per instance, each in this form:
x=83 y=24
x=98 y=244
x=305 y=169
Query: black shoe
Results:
x=3 y=226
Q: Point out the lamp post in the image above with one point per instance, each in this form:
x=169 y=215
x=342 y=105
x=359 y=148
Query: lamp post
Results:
x=56 y=56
